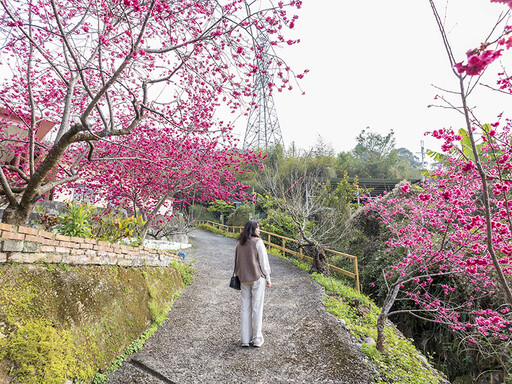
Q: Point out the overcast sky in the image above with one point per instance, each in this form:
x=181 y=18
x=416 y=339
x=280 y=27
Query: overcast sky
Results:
x=373 y=63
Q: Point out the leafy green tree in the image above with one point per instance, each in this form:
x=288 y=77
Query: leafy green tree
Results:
x=346 y=162
x=240 y=216
x=376 y=154
x=321 y=160
x=222 y=207
x=409 y=165
x=274 y=155
x=375 y=157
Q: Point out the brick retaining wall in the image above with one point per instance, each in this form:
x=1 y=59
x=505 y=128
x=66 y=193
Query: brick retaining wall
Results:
x=30 y=245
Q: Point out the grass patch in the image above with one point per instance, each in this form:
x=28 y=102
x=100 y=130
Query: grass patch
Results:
x=186 y=271
x=218 y=231
x=401 y=362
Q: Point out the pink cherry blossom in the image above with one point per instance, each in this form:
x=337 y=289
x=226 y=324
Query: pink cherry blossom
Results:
x=507 y=2
x=477 y=62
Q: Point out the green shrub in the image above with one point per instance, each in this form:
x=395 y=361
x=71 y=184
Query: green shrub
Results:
x=279 y=223
x=240 y=216
x=198 y=212
x=42 y=354
x=49 y=221
x=113 y=226
x=75 y=222
x=89 y=222
x=186 y=271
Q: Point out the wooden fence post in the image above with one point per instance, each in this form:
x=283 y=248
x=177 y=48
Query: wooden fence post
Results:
x=356 y=272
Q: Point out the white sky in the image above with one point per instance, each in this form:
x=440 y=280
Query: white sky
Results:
x=373 y=63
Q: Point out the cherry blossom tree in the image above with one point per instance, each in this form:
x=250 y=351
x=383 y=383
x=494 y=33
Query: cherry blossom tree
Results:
x=455 y=234
x=101 y=70
x=189 y=169
x=441 y=233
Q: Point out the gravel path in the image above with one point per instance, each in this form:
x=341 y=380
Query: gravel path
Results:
x=199 y=343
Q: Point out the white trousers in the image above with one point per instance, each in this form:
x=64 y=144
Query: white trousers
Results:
x=253 y=294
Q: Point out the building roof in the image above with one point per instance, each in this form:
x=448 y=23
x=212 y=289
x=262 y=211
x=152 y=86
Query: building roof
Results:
x=376 y=186
x=43 y=126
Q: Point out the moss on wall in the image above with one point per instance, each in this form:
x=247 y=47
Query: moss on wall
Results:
x=61 y=321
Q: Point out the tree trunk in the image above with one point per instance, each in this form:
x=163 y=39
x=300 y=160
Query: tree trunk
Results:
x=17 y=214
x=148 y=218
x=145 y=229
x=383 y=315
x=381 y=337
x=319 y=260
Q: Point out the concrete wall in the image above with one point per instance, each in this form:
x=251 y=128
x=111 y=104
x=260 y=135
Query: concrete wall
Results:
x=29 y=245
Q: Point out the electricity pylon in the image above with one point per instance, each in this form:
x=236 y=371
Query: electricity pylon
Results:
x=263 y=130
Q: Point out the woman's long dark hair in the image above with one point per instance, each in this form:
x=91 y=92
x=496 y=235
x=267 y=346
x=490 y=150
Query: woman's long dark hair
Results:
x=248 y=232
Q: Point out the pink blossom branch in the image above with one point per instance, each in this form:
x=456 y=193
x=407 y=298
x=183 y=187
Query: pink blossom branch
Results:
x=115 y=76
x=31 y=129
x=501 y=277
x=32 y=42
x=18 y=170
x=490 y=246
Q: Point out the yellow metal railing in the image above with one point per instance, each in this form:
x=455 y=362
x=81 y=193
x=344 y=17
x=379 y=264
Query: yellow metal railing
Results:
x=282 y=247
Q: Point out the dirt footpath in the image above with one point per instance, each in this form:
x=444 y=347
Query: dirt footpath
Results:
x=200 y=341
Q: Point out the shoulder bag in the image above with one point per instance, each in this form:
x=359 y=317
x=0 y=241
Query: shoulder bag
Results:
x=235 y=281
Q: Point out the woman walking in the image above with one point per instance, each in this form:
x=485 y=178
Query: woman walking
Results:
x=253 y=270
